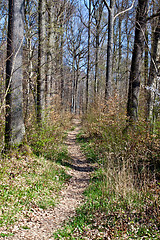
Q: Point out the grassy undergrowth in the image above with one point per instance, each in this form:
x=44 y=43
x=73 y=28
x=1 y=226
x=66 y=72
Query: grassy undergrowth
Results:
x=123 y=199
x=108 y=215
x=29 y=175
x=27 y=182
x=47 y=140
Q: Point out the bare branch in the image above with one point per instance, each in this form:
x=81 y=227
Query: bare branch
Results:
x=154 y=15
x=106 y=4
x=126 y=10
x=3 y=103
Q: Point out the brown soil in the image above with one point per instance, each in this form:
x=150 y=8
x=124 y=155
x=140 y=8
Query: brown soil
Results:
x=43 y=223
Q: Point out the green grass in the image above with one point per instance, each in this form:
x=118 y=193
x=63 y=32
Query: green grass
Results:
x=27 y=182
x=106 y=214
x=31 y=175
x=87 y=145
x=6 y=234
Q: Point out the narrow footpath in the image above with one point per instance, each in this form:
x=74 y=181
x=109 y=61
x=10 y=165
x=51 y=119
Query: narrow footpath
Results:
x=43 y=223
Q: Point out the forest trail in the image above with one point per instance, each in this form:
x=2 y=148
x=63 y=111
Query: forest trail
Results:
x=43 y=223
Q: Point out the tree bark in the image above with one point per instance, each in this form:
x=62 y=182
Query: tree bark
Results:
x=50 y=54
x=134 y=80
x=154 y=70
x=41 y=62
x=109 y=50
x=14 y=122
x=98 y=16
x=88 y=56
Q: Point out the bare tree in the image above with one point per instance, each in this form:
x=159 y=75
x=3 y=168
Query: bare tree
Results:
x=98 y=10
x=111 y=19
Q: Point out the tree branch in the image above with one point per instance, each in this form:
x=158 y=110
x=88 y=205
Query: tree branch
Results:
x=154 y=15
x=126 y=10
x=3 y=102
x=106 y=4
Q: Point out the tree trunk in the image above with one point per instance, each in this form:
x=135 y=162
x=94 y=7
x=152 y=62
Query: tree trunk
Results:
x=41 y=62
x=96 y=61
x=98 y=16
x=61 y=62
x=88 y=56
x=14 y=122
x=154 y=71
x=109 y=50
x=134 y=81
x=146 y=61
x=50 y=54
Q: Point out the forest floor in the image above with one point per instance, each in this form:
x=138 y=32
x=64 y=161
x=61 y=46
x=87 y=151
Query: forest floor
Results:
x=43 y=223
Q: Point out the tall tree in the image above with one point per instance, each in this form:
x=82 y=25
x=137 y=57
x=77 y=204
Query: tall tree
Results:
x=98 y=9
x=134 y=80
x=109 y=47
x=152 y=84
x=50 y=52
x=30 y=26
x=88 y=56
x=41 y=61
x=14 y=122
x=111 y=19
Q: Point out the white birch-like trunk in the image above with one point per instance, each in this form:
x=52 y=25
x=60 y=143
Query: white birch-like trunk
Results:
x=14 y=126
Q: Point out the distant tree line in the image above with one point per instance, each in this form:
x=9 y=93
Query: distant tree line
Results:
x=68 y=55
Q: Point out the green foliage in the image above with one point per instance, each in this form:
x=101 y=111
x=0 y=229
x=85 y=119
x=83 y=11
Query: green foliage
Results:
x=47 y=140
x=43 y=141
x=5 y=234
x=87 y=147
x=62 y=155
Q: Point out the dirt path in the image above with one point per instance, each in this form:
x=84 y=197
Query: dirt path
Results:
x=44 y=222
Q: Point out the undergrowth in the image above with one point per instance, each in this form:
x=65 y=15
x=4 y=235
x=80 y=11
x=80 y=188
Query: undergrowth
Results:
x=108 y=215
x=47 y=140
x=122 y=201
x=29 y=175
x=25 y=183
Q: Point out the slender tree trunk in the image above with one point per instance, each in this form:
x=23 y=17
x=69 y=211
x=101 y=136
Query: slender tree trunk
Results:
x=14 y=122
x=96 y=59
x=50 y=54
x=127 y=56
x=134 y=81
x=41 y=62
x=73 y=83
x=108 y=87
x=30 y=75
x=146 y=62
x=61 y=63
x=88 y=57
x=154 y=70
x=119 y=82
x=76 y=85
x=98 y=15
